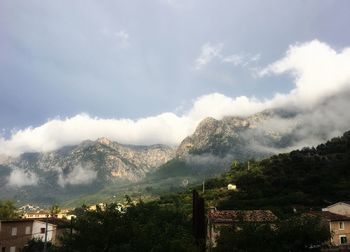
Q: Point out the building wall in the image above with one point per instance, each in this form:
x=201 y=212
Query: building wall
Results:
x=7 y=240
x=340 y=208
x=337 y=232
x=37 y=227
x=19 y=240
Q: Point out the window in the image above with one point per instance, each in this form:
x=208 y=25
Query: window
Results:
x=343 y=239
x=341 y=224
x=13 y=249
x=27 y=230
x=42 y=230
x=14 y=231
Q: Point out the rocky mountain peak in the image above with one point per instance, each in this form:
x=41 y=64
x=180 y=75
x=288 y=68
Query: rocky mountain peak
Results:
x=104 y=141
x=230 y=134
x=90 y=163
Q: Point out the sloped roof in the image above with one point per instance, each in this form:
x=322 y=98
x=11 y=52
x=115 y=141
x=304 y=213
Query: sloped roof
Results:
x=16 y=220
x=339 y=203
x=229 y=216
x=330 y=216
x=55 y=221
x=51 y=221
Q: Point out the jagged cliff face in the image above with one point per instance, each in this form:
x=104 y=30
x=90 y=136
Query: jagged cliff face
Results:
x=73 y=171
x=234 y=136
x=108 y=160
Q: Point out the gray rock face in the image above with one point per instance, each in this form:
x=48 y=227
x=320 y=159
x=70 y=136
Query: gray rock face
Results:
x=110 y=160
x=235 y=136
x=73 y=171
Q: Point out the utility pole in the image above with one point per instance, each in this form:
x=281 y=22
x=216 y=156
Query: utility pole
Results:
x=198 y=220
x=203 y=187
x=45 y=243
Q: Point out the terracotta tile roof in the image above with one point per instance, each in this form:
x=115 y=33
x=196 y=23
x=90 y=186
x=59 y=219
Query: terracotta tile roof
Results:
x=330 y=216
x=229 y=216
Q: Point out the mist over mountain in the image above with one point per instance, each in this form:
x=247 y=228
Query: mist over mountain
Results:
x=269 y=132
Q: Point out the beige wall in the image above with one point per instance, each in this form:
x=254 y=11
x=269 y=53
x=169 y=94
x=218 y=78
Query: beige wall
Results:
x=336 y=232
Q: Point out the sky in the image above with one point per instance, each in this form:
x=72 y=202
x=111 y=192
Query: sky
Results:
x=146 y=72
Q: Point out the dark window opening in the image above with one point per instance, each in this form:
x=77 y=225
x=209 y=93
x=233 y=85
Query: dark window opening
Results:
x=343 y=240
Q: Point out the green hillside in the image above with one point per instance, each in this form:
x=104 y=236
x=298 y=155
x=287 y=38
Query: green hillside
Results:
x=311 y=177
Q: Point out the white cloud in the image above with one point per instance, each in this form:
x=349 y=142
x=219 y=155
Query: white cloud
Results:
x=19 y=178
x=79 y=175
x=211 y=52
x=235 y=59
x=166 y=128
x=318 y=70
x=122 y=38
x=207 y=54
x=241 y=59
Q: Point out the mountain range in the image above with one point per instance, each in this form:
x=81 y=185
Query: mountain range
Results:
x=73 y=171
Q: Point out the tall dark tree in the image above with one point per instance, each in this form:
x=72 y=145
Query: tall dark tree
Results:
x=7 y=210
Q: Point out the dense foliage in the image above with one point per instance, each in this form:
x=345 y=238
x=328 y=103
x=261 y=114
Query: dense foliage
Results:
x=37 y=245
x=311 y=177
x=297 y=234
x=7 y=210
x=142 y=227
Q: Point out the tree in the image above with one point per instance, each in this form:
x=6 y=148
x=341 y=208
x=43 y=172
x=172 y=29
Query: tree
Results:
x=296 y=234
x=37 y=245
x=140 y=227
x=55 y=210
x=7 y=210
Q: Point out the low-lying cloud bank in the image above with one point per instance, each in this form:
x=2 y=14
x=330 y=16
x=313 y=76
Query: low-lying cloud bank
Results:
x=319 y=72
x=19 y=177
x=79 y=175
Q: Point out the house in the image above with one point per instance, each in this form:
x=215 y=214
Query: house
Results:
x=102 y=206
x=231 y=187
x=35 y=215
x=342 y=208
x=15 y=234
x=63 y=214
x=218 y=219
x=339 y=226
